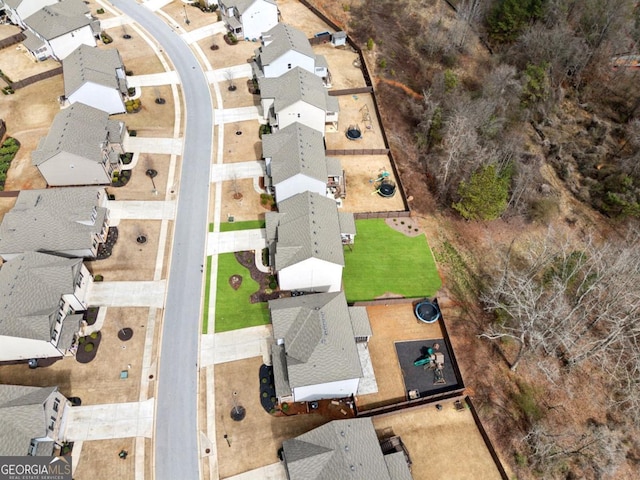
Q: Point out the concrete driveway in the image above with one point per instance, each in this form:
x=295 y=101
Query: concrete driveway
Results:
x=236 y=241
x=153 y=145
x=153 y=79
x=140 y=210
x=222 y=172
x=235 y=345
x=113 y=420
x=240 y=114
x=128 y=294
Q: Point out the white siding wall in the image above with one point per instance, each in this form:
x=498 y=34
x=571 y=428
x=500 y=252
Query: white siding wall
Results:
x=66 y=169
x=340 y=389
x=78 y=300
x=299 y=184
x=313 y=274
x=304 y=113
x=258 y=18
x=15 y=348
x=293 y=58
x=67 y=43
x=28 y=8
x=266 y=105
x=99 y=96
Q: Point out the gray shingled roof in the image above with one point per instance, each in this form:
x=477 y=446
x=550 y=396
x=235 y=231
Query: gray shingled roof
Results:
x=360 y=322
x=280 y=375
x=296 y=149
x=319 y=342
x=55 y=20
x=22 y=417
x=31 y=41
x=89 y=64
x=54 y=220
x=308 y=227
x=297 y=85
x=283 y=38
x=397 y=466
x=81 y=130
x=31 y=286
x=338 y=450
x=334 y=167
x=13 y=3
x=347 y=223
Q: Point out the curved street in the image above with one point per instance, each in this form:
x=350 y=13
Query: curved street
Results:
x=176 y=425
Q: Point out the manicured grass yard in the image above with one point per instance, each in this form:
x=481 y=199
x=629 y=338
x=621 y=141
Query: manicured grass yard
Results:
x=234 y=226
x=385 y=260
x=233 y=307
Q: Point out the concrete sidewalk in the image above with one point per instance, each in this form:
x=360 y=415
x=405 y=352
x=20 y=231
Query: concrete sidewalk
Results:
x=170 y=146
x=240 y=114
x=112 y=420
x=236 y=241
x=204 y=32
x=235 y=345
x=237 y=71
x=128 y=294
x=275 y=471
x=222 y=172
x=141 y=210
x=154 y=5
x=154 y=79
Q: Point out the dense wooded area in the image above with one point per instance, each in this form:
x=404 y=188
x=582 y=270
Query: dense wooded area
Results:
x=519 y=106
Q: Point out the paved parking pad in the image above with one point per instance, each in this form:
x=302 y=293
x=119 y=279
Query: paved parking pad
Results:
x=236 y=241
x=235 y=171
x=128 y=294
x=112 y=420
x=275 y=471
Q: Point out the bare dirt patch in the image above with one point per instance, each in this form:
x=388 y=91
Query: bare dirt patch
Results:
x=244 y=147
x=407 y=226
x=102 y=456
x=180 y=12
x=246 y=208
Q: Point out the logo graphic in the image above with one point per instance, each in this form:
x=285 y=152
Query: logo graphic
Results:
x=35 y=468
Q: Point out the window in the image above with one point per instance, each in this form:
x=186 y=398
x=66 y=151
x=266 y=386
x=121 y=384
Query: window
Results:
x=289 y=66
x=79 y=280
x=56 y=403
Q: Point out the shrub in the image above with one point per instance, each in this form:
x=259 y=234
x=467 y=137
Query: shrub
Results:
x=284 y=407
x=131 y=91
x=133 y=133
x=98 y=278
x=264 y=129
x=128 y=73
x=450 y=81
x=106 y=39
x=100 y=11
x=88 y=347
x=81 y=340
x=485 y=195
x=94 y=335
x=382 y=63
x=370 y=44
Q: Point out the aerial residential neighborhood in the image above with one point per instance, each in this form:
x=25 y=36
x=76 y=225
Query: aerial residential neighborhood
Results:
x=210 y=266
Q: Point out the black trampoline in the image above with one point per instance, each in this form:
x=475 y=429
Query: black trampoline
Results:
x=424 y=380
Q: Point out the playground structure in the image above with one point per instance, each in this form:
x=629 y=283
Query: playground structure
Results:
x=432 y=359
x=427 y=312
x=366 y=118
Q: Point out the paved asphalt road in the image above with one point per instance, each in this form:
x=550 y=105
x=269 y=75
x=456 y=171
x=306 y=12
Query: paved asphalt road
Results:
x=176 y=454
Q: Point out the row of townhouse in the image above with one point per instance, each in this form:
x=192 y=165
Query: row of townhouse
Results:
x=317 y=337
x=45 y=237
x=53 y=28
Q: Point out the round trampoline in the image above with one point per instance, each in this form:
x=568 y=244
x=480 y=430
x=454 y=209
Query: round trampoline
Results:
x=387 y=190
x=427 y=312
x=354 y=133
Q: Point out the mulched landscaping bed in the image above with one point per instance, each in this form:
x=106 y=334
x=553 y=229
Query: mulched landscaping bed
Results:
x=267 y=389
x=105 y=249
x=82 y=356
x=265 y=280
x=90 y=315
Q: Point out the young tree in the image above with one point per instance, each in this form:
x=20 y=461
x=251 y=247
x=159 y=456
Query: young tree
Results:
x=485 y=195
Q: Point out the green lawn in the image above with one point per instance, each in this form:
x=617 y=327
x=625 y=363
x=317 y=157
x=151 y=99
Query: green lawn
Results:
x=248 y=225
x=385 y=260
x=233 y=307
x=207 y=285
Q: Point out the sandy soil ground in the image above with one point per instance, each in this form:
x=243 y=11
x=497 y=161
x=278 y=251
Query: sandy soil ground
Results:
x=18 y=64
x=99 y=457
x=180 y=12
x=136 y=54
x=390 y=324
x=246 y=208
x=434 y=440
x=356 y=110
x=343 y=72
x=296 y=14
x=361 y=171
x=254 y=441
x=245 y=147
x=153 y=120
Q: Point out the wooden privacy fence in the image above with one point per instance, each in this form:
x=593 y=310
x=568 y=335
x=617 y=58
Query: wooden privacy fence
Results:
x=368 y=215
x=350 y=91
x=12 y=40
x=358 y=151
x=36 y=78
